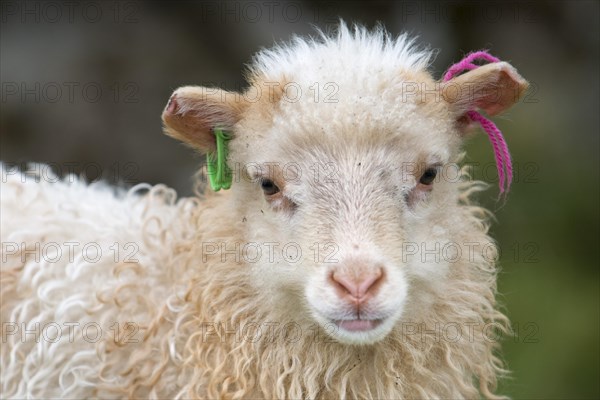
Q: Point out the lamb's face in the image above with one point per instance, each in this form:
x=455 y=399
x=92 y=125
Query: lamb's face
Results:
x=341 y=194
x=346 y=186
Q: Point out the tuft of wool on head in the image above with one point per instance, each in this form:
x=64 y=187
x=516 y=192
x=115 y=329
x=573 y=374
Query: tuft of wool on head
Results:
x=305 y=58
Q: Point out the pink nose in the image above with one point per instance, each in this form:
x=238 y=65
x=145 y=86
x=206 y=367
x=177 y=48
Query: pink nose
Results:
x=360 y=287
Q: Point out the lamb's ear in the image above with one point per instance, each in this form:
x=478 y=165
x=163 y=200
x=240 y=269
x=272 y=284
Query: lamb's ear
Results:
x=492 y=88
x=193 y=112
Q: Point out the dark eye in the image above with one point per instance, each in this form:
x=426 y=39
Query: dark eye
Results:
x=269 y=187
x=428 y=176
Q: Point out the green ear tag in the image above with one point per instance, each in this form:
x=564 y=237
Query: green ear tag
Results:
x=219 y=174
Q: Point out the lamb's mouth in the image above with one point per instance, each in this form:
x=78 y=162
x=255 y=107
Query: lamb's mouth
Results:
x=358 y=325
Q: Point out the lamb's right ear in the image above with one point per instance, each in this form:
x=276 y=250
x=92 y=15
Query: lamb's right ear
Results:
x=193 y=112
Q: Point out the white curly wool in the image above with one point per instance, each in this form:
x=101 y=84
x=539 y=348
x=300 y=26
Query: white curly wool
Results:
x=242 y=293
x=65 y=246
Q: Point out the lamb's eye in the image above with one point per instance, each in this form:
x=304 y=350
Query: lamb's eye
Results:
x=428 y=176
x=269 y=187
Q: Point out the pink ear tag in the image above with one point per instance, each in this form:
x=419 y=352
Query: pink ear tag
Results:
x=501 y=153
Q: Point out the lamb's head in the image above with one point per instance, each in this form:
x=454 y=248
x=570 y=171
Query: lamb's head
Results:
x=342 y=155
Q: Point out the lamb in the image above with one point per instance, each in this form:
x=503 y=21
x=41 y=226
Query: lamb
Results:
x=345 y=261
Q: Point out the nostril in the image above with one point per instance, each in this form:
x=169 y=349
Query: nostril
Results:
x=370 y=282
x=344 y=283
x=358 y=286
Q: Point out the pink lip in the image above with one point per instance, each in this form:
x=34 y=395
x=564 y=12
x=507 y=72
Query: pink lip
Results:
x=358 y=325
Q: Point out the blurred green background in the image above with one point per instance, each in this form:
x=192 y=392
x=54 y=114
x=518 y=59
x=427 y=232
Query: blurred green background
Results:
x=83 y=86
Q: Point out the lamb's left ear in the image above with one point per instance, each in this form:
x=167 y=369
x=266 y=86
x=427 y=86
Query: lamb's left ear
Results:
x=193 y=112
x=492 y=88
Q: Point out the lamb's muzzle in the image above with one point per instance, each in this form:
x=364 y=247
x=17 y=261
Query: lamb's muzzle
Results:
x=356 y=289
